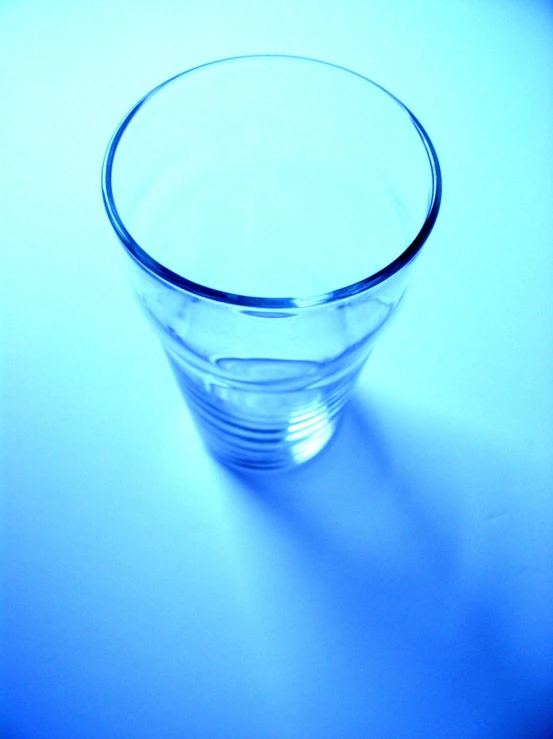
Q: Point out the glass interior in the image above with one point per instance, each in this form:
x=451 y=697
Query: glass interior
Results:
x=272 y=177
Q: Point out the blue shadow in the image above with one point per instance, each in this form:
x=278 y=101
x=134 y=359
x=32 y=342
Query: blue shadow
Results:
x=408 y=533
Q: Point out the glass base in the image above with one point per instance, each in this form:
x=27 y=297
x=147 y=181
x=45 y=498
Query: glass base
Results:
x=281 y=448
x=264 y=425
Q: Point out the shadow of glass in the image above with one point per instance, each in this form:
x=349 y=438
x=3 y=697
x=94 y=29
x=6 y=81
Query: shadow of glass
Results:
x=415 y=536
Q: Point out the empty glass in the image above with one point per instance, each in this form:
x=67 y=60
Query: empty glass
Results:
x=271 y=206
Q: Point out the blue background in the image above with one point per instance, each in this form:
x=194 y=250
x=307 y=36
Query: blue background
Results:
x=401 y=585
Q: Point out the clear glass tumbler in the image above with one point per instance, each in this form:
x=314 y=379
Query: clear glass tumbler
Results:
x=271 y=206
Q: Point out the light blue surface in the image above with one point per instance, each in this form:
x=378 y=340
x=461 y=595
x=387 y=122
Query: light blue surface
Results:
x=399 y=586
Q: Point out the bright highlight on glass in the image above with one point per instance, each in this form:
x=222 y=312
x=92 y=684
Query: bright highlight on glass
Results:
x=271 y=206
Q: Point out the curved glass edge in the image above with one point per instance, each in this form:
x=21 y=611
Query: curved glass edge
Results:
x=145 y=261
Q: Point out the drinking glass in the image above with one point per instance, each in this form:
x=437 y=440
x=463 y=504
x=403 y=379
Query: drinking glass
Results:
x=271 y=207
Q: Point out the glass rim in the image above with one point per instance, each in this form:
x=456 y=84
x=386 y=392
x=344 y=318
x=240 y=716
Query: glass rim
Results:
x=151 y=265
